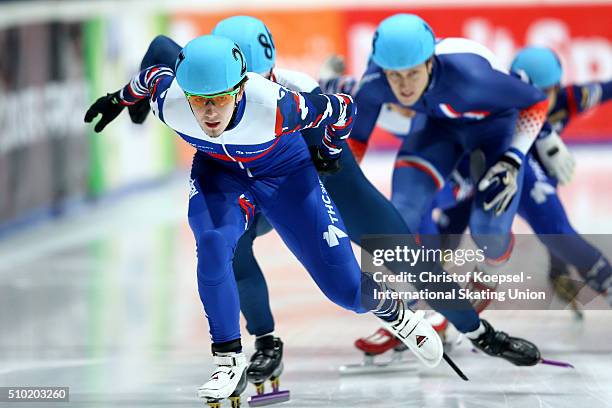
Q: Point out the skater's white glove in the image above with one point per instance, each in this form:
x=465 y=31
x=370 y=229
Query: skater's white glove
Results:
x=556 y=157
x=500 y=182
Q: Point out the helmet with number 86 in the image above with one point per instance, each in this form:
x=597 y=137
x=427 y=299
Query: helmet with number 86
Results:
x=254 y=39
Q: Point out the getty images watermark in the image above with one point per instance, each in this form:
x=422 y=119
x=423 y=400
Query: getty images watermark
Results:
x=453 y=269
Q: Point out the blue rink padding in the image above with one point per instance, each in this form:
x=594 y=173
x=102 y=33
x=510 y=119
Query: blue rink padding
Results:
x=76 y=205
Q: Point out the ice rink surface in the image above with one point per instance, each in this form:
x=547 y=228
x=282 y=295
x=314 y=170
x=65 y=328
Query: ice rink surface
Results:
x=105 y=302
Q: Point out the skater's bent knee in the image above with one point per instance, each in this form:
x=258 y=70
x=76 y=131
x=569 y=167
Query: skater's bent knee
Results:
x=213 y=238
x=214 y=257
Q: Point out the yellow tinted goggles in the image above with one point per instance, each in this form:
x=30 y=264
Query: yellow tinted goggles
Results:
x=220 y=99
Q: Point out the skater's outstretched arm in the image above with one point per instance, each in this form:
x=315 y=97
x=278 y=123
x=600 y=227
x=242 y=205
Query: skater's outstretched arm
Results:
x=298 y=111
x=147 y=84
x=575 y=99
x=570 y=102
x=301 y=82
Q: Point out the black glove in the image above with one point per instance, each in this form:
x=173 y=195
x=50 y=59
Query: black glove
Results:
x=322 y=164
x=108 y=106
x=139 y=111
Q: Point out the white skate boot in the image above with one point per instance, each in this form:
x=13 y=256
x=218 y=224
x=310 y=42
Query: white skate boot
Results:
x=227 y=381
x=418 y=334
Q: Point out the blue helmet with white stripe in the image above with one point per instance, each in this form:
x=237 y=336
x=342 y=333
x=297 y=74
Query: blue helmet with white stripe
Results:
x=210 y=64
x=541 y=65
x=254 y=39
x=402 y=41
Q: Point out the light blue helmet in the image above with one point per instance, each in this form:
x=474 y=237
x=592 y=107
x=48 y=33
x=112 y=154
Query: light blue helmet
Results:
x=254 y=39
x=402 y=41
x=210 y=64
x=541 y=65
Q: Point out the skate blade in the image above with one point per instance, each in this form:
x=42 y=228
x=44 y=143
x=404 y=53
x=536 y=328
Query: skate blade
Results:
x=268 y=398
x=556 y=363
x=544 y=361
x=373 y=368
x=578 y=314
x=576 y=310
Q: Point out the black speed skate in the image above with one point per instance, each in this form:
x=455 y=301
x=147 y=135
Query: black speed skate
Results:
x=518 y=351
x=267 y=364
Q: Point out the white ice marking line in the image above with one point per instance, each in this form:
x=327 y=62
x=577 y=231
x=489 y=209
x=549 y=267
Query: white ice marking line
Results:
x=38 y=365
